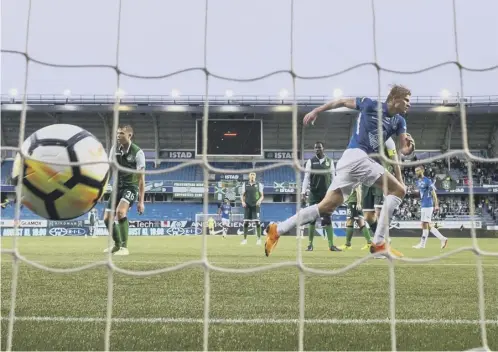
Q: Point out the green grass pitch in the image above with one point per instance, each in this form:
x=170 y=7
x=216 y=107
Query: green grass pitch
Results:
x=436 y=303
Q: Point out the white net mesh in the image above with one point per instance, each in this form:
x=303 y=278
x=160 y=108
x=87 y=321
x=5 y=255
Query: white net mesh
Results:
x=295 y=163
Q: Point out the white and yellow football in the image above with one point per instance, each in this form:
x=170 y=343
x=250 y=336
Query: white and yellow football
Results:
x=58 y=192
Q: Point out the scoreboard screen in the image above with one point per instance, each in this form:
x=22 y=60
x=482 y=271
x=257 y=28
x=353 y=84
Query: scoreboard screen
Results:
x=231 y=137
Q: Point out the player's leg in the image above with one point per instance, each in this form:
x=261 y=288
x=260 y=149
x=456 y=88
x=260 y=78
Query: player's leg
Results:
x=247 y=217
x=312 y=225
x=258 y=224
x=369 y=216
x=365 y=230
x=225 y=223
x=439 y=235
x=108 y=219
x=425 y=232
x=311 y=235
x=378 y=202
x=432 y=229
x=349 y=234
x=347 y=178
x=127 y=198
x=351 y=217
x=332 y=200
x=327 y=228
x=123 y=225
x=395 y=194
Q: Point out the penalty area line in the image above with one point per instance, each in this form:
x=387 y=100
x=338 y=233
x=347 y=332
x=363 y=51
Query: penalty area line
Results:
x=252 y=321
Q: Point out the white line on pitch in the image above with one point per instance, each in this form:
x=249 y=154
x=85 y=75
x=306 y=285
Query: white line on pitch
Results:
x=118 y=262
x=251 y=321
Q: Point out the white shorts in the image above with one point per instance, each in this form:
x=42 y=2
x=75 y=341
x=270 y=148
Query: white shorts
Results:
x=426 y=214
x=353 y=168
x=225 y=222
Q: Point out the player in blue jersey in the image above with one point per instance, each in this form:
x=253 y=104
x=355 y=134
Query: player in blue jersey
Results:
x=225 y=210
x=429 y=204
x=356 y=167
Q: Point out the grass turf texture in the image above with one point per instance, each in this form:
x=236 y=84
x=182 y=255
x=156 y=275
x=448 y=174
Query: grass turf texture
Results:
x=171 y=305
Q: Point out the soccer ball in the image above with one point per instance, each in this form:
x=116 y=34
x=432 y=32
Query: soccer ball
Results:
x=61 y=192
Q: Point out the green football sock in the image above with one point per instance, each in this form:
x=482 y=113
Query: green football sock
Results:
x=114 y=232
x=311 y=234
x=246 y=230
x=349 y=235
x=366 y=233
x=258 y=231
x=330 y=234
x=123 y=225
x=373 y=226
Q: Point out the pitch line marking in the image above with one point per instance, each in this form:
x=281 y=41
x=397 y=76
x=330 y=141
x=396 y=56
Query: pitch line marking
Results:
x=252 y=321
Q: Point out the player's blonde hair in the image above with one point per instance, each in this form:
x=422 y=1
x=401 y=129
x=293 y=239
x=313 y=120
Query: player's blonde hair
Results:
x=398 y=92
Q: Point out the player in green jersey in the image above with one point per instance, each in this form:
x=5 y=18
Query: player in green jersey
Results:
x=318 y=185
x=252 y=196
x=355 y=214
x=131 y=188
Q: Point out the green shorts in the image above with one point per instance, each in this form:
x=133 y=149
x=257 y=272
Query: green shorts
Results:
x=127 y=194
x=372 y=198
x=315 y=198
x=352 y=212
x=251 y=212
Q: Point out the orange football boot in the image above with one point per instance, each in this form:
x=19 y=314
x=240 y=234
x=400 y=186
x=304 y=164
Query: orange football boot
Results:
x=272 y=237
x=377 y=248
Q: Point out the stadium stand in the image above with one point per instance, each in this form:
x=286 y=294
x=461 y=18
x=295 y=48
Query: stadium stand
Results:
x=177 y=132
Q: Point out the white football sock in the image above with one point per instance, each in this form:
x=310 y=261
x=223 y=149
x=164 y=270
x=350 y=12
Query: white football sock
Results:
x=425 y=234
x=391 y=202
x=306 y=215
x=438 y=234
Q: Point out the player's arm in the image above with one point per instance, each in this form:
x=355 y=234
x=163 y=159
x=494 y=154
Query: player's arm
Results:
x=350 y=103
x=332 y=169
x=336 y=104
x=359 y=197
x=434 y=197
x=243 y=195
x=261 y=188
x=306 y=178
x=140 y=159
x=393 y=155
x=406 y=142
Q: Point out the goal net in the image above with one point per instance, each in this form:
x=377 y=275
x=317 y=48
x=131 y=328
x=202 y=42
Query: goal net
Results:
x=233 y=224
x=113 y=319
